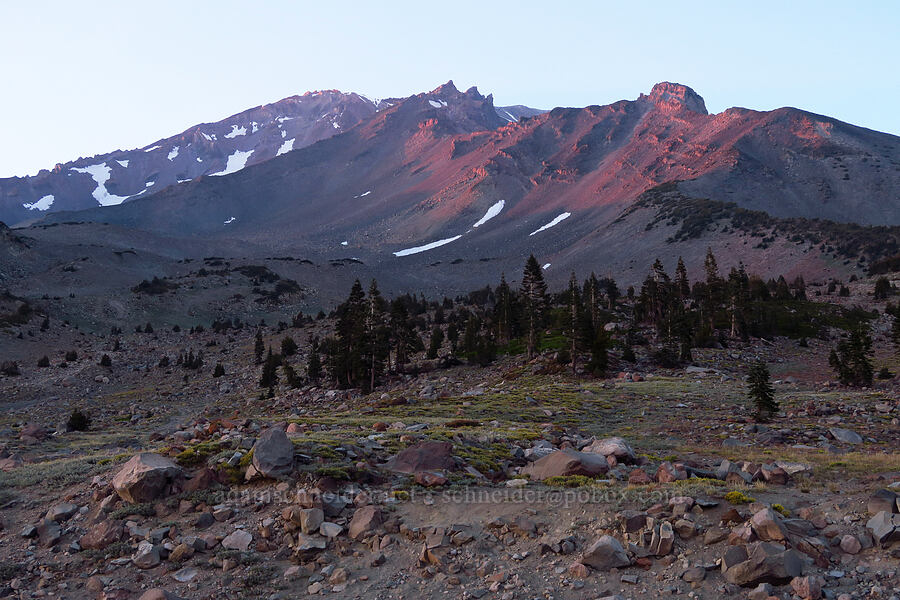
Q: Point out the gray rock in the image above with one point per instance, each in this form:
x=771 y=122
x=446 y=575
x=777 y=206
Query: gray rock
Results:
x=882 y=500
x=884 y=527
x=330 y=530
x=614 y=446
x=237 y=540
x=845 y=435
x=273 y=454
x=62 y=512
x=662 y=540
x=146 y=556
x=766 y=563
x=605 y=553
x=311 y=519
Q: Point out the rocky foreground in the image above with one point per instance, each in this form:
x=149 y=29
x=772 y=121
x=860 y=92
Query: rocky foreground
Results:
x=510 y=482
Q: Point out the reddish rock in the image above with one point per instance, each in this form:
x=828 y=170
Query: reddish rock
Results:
x=146 y=477
x=430 y=479
x=567 y=462
x=365 y=520
x=639 y=477
x=808 y=588
x=424 y=456
x=668 y=473
x=579 y=570
x=200 y=480
x=102 y=535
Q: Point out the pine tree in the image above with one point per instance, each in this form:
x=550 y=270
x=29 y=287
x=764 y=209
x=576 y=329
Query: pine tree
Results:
x=288 y=346
x=574 y=321
x=682 y=284
x=290 y=375
x=219 y=370
x=761 y=391
x=402 y=334
x=269 y=378
x=534 y=299
x=314 y=367
x=599 y=354
x=504 y=311
x=850 y=360
x=437 y=339
x=376 y=337
x=259 y=347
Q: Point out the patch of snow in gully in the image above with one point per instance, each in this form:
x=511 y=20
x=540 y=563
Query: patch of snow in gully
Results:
x=100 y=174
x=552 y=223
x=286 y=147
x=236 y=162
x=236 y=131
x=43 y=204
x=492 y=212
x=426 y=247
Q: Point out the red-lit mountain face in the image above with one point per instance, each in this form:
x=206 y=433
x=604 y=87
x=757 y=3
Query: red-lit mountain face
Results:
x=405 y=188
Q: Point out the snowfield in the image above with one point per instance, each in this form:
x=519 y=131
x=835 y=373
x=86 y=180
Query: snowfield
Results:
x=236 y=131
x=437 y=103
x=100 y=174
x=123 y=163
x=286 y=147
x=151 y=149
x=43 y=204
x=555 y=221
x=492 y=212
x=173 y=153
x=231 y=220
x=430 y=246
x=236 y=162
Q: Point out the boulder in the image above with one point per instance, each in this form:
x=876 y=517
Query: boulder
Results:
x=567 y=462
x=310 y=519
x=159 y=594
x=766 y=563
x=62 y=512
x=882 y=500
x=605 y=553
x=663 y=539
x=237 y=540
x=884 y=527
x=330 y=530
x=767 y=526
x=146 y=477
x=613 y=446
x=850 y=544
x=273 y=454
x=424 y=456
x=808 y=588
x=365 y=520
x=146 y=556
x=102 y=535
x=49 y=533
x=847 y=436
x=667 y=473
x=33 y=431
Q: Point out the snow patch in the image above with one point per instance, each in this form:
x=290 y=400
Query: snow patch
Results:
x=283 y=119
x=555 y=221
x=150 y=184
x=199 y=159
x=231 y=220
x=209 y=138
x=100 y=174
x=510 y=117
x=283 y=134
x=363 y=195
x=173 y=153
x=546 y=266
x=236 y=131
x=437 y=103
x=492 y=212
x=43 y=204
x=151 y=149
x=430 y=246
x=123 y=163
x=236 y=162
x=286 y=147
x=335 y=125
x=345 y=243
x=255 y=126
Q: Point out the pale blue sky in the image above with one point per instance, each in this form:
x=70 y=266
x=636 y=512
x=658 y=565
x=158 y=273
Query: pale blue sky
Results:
x=81 y=78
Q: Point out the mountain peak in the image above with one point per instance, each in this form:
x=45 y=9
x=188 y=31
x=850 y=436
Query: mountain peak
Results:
x=671 y=97
x=447 y=88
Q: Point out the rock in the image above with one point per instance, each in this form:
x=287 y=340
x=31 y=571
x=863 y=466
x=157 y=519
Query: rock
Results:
x=365 y=520
x=330 y=530
x=808 y=588
x=424 y=456
x=614 y=446
x=685 y=529
x=774 y=474
x=237 y=540
x=146 y=477
x=181 y=553
x=567 y=462
x=694 y=574
x=794 y=468
x=850 y=544
x=882 y=500
x=102 y=534
x=159 y=594
x=761 y=592
x=845 y=435
x=639 y=477
x=62 y=512
x=185 y=575
x=309 y=543
x=49 y=533
x=884 y=527
x=273 y=454
x=667 y=473
x=766 y=563
x=204 y=520
x=714 y=535
x=310 y=519
x=579 y=570
x=767 y=525
x=146 y=556
x=33 y=431
x=605 y=553
x=430 y=479
x=662 y=540
x=632 y=520
x=8 y=463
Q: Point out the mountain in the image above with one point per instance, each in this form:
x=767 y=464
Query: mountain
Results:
x=247 y=138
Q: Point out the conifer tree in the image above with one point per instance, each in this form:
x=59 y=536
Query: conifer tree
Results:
x=402 y=334
x=682 y=284
x=534 y=301
x=269 y=377
x=259 y=347
x=574 y=326
x=288 y=346
x=314 y=366
x=504 y=312
x=850 y=360
x=437 y=339
x=761 y=391
x=376 y=337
